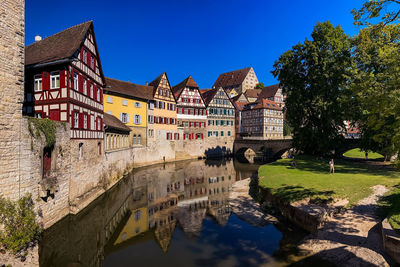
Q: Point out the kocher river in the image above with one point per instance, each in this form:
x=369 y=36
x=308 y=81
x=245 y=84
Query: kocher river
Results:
x=174 y=214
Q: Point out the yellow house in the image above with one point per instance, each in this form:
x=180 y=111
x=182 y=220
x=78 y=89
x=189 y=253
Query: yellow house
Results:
x=137 y=223
x=128 y=102
x=164 y=109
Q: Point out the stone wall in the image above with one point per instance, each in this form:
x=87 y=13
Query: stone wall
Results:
x=11 y=92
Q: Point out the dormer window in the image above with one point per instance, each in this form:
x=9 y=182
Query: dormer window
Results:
x=38 y=82
x=54 y=80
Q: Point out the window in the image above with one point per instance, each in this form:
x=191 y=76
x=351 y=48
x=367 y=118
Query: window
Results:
x=137 y=215
x=98 y=94
x=92 y=62
x=91 y=91
x=76 y=120
x=85 y=121
x=99 y=124
x=80 y=150
x=84 y=87
x=138 y=119
x=151 y=119
x=160 y=92
x=222 y=133
x=76 y=81
x=166 y=93
x=139 y=139
x=54 y=80
x=229 y=133
x=151 y=105
x=84 y=55
x=109 y=99
x=138 y=105
x=124 y=117
x=38 y=82
x=124 y=102
x=134 y=139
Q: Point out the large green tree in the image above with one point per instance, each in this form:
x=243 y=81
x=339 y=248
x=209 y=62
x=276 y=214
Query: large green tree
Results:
x=377 y=12
x=375 y=85
x=314 y=75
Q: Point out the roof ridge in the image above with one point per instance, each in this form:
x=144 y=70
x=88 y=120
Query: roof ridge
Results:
x=236 y=70
x=75 y=26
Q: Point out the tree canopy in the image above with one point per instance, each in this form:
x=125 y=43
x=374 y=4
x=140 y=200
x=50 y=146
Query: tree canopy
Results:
x=313 y=76
x=383 y=11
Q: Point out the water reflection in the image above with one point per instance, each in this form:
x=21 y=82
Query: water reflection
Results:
x=172 y=214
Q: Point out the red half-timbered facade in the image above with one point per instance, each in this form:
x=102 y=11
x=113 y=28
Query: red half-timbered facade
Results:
x=64 y=81
x=191 y=110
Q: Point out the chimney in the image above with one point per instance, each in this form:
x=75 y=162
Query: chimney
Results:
x=147 y=83
x=38 y=38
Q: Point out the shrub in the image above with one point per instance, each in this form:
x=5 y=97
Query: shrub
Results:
x=19 y=227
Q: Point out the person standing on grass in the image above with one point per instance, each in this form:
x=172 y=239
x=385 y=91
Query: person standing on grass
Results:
x=331 y=167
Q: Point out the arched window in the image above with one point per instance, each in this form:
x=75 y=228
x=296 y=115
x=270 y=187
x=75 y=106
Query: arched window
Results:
x=134 y=139
x=139 y=139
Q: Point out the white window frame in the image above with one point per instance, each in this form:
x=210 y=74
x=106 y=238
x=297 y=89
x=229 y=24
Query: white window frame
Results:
x=84 y=56
x=76 y=120
x=138 y=105
x=38 y=83
x=84 y=87
x=85 y=121
x=91 y=90
x=109 y=99
x=137 y=119
x=124 y=117
x=54 y=80
x=98 y=94
x=124 y=102
x=76 y=81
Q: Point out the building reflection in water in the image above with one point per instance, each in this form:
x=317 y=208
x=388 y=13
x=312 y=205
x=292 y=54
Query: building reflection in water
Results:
x=147 y=205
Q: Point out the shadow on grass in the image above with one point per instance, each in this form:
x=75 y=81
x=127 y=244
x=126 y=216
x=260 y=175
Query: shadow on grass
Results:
x=389 y=206
x=311 y=164
x=294 y=193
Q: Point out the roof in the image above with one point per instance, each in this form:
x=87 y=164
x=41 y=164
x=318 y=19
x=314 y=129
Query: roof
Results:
x=59 y=46
x=239 y=105
x=111 y=121
x=269 y=91
x=236 y=98
x=188 y=82
x=253 y=93
x=156 y=82
x=231 y=78
x=265 y=103
x=129 y=89
x=208 y=94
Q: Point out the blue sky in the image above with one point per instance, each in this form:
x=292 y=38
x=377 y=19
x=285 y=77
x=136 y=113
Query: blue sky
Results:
x=138 y=40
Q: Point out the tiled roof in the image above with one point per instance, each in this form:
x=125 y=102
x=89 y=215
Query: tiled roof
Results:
x=129 y=89
x=111 y=121
x=188 y=82
x=269 y=91
x=253 y=93
x=231 y=78
x=239 y=105
x=208 y=94
x=59 y=46
x=236 y=98
x=265 y=103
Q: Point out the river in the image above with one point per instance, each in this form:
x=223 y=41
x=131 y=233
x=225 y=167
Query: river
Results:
x=174 y=214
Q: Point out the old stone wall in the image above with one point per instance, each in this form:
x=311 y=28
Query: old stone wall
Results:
x=12 y=33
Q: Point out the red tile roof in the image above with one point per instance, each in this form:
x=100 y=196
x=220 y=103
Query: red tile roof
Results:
x=62 y=45
x=129 y=89
x=208 y=94
x=265 y=103
x=112 y=122
x=236 y=98
x=188 y=82
x=268 y=91
x=239 y=105
x=232 y=78
x=253 y=93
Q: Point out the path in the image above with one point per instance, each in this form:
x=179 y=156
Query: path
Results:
x=350 y=238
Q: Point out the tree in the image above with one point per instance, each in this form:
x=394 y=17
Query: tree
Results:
x=259 y=86
x=313 y=76
x=384 y=11
x=375 y=86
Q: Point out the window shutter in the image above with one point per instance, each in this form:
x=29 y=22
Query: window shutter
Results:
x=80 y=120
x=101 y=95
x=140 y=119
x=127 y=118
x=45 y=80
x=89 y=121
x=72 y=79
x=73 y=119
x=80 y=83
x=202 y=137
x=101 y=124
x=62 y=79
x=88 y=87
x=94 y=61
x=88 y=58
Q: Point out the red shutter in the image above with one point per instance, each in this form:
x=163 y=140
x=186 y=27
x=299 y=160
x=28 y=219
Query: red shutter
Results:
x=88 y=87
x=80 y=83
x=189 y=111
x=88 y=58
x=184 y=136
x=88 y=122
x=46 y=80
x=62 y=79
x=206 y=112
x=72 y=79
x=101 y=124
x=80 y=120
x=202 y=136
x=94 y=61
x=170 y=121
x=72 y=119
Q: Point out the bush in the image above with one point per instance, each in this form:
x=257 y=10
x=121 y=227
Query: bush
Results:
x=19 y=227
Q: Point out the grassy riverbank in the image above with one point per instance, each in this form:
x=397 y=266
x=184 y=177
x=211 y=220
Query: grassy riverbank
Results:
x=311 y=179
x=358 y=154
x=390 y=204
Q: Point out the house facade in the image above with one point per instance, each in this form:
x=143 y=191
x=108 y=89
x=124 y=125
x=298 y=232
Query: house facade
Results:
x=262 y=120
x=238 y=81
x=239 y=102
x=116 y=133
x=165 y=123
x=273 y=93
x=220 y=116
x=128 y=102
x=64 y=81
x=191 y=110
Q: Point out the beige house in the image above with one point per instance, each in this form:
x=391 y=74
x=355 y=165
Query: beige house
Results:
x=273 y=93
x=262 y=120
x=238 y=81
x=116 y=133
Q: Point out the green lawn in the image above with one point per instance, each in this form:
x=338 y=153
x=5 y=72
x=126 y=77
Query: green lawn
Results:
x=390 y=204
x=311 y=178
x=358 y=154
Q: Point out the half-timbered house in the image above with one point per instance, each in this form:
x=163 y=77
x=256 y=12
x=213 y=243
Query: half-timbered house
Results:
x=165 y=124
x=64 y=81
x=237 y=81
x=191 y=110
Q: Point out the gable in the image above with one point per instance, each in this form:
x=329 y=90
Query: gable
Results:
x=163 y=89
